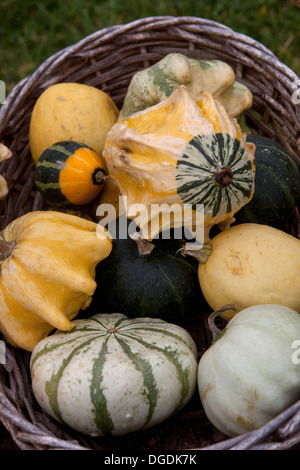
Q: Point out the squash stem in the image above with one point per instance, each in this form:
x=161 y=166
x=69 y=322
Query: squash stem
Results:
x=144 y=246
x=216 y=332
x=6 y=249
x=200 y=255
x=224 y=176
x=100 y=177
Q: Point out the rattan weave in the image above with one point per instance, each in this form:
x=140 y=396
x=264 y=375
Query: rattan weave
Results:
x=107 y=59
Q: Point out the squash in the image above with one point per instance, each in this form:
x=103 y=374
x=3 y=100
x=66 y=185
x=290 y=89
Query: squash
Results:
x=250 y=373
x=47 y=273
x=5 y=153
x=146 y=280
x=71 y=111
x=70 y=172
x=184 y=153
x=157 y=82
x=112 y=375
x=251 y=264
x=277 y=185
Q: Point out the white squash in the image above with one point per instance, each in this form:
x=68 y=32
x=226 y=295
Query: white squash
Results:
x=112 y=375
x=251 y=373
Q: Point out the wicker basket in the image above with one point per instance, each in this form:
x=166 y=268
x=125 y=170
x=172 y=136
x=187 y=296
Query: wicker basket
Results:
x=107 y=59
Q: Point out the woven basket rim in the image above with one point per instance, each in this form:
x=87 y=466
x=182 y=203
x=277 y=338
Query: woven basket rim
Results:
x=108 y=33
x=184 y=27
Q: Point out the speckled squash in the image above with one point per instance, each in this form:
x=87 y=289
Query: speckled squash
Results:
x=185 y=152
x=251 y=264
x=112 y=375
x=71 y=111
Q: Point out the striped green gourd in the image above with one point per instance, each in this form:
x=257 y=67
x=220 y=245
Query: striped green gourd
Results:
x=112 y=375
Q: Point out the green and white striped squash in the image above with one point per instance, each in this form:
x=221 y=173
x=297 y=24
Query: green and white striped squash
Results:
x=112 y=375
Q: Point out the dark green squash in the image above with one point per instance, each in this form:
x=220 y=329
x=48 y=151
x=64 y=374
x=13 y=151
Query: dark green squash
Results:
x=277 y=185
x=161 y=284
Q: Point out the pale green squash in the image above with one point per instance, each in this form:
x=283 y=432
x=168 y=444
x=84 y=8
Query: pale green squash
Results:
x=251 y=373
x=156 y=83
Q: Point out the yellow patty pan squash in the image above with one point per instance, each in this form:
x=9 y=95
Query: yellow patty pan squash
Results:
x=156 y=83
x=251 y=264
x=71 y=111
x=184 y=151
x=47 y=273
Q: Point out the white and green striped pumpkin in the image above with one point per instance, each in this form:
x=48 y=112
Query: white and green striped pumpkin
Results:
x=112 y=375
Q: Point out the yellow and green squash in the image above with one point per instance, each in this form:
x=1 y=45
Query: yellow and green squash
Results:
x=184 y=151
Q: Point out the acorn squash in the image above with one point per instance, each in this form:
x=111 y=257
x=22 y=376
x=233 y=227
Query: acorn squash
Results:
x=183 y=152
x=277 y=185
x=146 y=280
x=47 y=273
x=112 y=375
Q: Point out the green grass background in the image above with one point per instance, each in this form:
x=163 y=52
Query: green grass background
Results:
x=31 y=31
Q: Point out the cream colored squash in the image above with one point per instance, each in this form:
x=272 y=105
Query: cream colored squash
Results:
x=252 y=264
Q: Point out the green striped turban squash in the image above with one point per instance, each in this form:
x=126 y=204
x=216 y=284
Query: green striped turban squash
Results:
x=112 y=375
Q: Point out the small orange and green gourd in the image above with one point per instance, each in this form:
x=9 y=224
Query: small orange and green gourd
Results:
x=70 y=172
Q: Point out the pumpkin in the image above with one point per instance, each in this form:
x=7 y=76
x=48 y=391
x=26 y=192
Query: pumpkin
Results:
x=250 y=373
x=157 y=82
x=146 y=280
x=112 y=375
x=251 y=264
x=183 y=152
x=277 y=185
x=71 y=111
x=70 y=172
x=47 y=273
